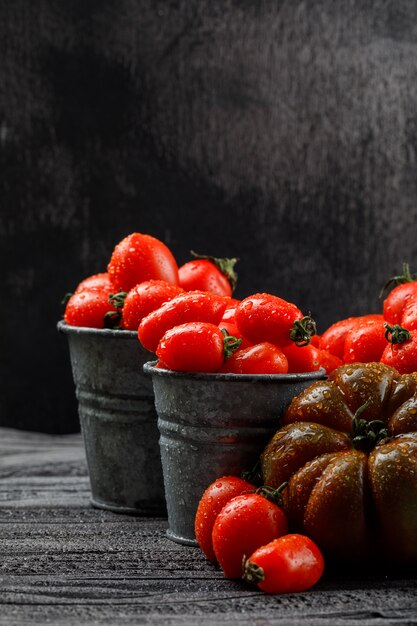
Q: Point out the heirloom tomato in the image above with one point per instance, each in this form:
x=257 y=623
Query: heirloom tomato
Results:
x=264 y=317
x=244 y=524
x=212 y=501
x=207 y=273
x=348 y=449
x=140 y=257
x=145 y=298
x=192 y=306
x=288 y=564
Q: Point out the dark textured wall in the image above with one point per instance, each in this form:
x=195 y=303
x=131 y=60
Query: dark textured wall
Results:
x=280 y=131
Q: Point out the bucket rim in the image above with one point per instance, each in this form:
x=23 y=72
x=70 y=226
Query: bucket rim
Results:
x=150 y=369
x=65 y=328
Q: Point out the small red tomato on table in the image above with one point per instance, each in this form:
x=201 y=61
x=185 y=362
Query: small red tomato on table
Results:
x=208 y=273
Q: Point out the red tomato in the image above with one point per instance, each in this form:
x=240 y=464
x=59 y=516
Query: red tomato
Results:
x=264 y=317
x=192 y=347
x=329 y=361
x=402 y=356
x=288 y=564
x=208 y=274
x=145 y=298
x=333 y=339
x=138 y=258
x=365 y=342
x=88 y=308
x=315 y=341
x=409 y=315
x=302 y=358
x=262 y=358
x=244 y=524
x=100 y=282
x=396 y=301
x=232 y=329
x=193 y=306
x=212 y=501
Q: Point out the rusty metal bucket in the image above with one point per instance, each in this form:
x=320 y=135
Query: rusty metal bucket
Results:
x=118 y=420
x=212 y=425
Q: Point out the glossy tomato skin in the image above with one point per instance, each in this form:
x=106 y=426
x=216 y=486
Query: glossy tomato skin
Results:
x=409 y=314
x=402 y=356
x=264 y=317
x=138 y=258
x=192 y=306
x=333 y=339
x=244 y=524
x=365 y=342
x=262 y=358
x=192 y=347
x=203 y=275
x=88 y=308
x=100 y=282
x=397 y=300
x=302 y=358
x=289 y=564
x=215 y=497
x=329 y=361
x=145 y=298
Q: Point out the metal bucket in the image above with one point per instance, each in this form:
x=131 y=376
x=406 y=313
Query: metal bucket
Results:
x=118 y=420
x=212 y=425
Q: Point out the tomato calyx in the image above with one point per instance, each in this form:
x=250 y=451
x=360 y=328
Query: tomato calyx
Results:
x=112 y=319
x=230 y=343
x=396 y=334
x=303 y=330
x=366 y=435
x=394 y=281
x=252 y=572
x=271 y=494
x=225 y=265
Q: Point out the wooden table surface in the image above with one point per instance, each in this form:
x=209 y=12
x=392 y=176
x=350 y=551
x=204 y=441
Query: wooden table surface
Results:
x=63 y=562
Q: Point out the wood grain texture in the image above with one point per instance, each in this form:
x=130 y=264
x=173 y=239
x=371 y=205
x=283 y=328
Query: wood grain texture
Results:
x=63 y=562
x=283 y=132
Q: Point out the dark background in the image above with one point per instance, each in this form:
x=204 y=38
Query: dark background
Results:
x=283 y=132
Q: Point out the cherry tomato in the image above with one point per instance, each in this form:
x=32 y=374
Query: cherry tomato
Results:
x=145 y=298
x=396 y=301
x=208 y=274
x=315 y=341
x=288 y=564
x=262 y=358
x=365 y=342
x=402 y=356
x=138 y=258
x=329 y=361
x=192 y=347
x=244 y=524
x=409 y=314
x=232 y=329
x=101 y=282
x=212 y=501
x=88 y=308
x=333 y=339
x=193 y=306
x=302 y=358
x=264 y=317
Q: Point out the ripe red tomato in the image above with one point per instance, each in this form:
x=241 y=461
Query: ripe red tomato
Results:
x=402 y=356
x=244 y=524
x=288 y=564
x=333 y=339
x=262 y=358
x=212 y=501
x=395 y=302
x=329 y=361
x=138 y=258
x=192 y=347
x=88 y=308
x=193 y=306
x=208 y=274
x=302 y=358
x=365 y=342
x=409 y=314
x=100 y=282
x=145 y=298
x=264 y=317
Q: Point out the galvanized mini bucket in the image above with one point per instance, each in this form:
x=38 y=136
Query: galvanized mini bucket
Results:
x=212 y=425
x=118 y=420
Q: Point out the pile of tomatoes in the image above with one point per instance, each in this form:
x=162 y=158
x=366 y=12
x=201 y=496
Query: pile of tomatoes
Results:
x=245 y=531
